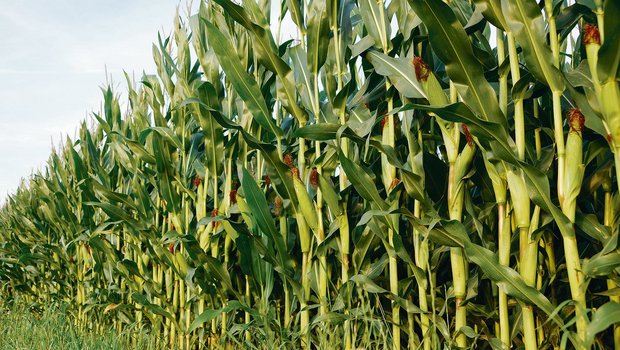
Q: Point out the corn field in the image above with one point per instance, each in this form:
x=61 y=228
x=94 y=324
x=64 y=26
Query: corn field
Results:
x=410 y=174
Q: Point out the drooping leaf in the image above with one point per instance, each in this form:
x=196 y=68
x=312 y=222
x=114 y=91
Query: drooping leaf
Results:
x=526 y=22
x=603 y=317
x=492 y=11
x=362 y=182
x=602 y=265
x=452 y=45
x=260 y=211
x=400 y=71
x=156 y=309
x=267 y=55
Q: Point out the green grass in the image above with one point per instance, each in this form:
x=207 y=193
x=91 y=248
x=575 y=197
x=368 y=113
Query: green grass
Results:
x=31 y=327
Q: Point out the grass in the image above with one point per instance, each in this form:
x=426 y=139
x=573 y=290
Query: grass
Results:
x=31 y=327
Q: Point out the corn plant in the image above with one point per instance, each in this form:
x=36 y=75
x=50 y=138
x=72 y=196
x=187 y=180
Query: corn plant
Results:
x=402 y=174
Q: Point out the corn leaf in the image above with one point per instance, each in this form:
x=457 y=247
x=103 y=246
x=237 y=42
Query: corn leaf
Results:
x=526 y=22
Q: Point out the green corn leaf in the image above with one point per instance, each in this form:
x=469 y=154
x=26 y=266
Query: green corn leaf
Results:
x=508 y=279
x=211 y=314
x=296 y=8
x=590 y=225
x=114 y=212
x=501 y=145
x=166 y=133
x=325 y=132
x=279 y=172
x=362 y=182
x=257 y=202
x=165 y=181
x=609 y=53
x=140 y=151
x=257 y=13
x=267 y=55
x=449 y=233
x=454 y=233
x=368 y=285
x=243 y=83
x=451 y=44
x=262 y=216
x=318 y=31
x=486 y=131
x=305 y=82
x=400 y=72
x=212 y=131
x=603 y=317
x=378 y=26
x=492 y=12
x=526 y=22
x=594 y=121
x=156 y=309
x=104 y=246
x=602 y=265
x=204 y=317
x=216 y=269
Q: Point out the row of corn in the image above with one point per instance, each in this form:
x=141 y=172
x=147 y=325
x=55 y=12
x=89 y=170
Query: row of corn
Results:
x=420 y=174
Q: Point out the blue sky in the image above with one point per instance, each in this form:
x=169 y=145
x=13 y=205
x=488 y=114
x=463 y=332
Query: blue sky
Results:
x=52 y=64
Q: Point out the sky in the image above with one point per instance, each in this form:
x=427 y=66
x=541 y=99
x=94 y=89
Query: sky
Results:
x=53 y=61
x=55 y=56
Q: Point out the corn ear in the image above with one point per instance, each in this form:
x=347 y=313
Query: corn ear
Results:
x=306 y=205
x=520 y=198
x=574 y=168
x=498 y=180
x=182 y=265
x=245 y=210
x=304 y=232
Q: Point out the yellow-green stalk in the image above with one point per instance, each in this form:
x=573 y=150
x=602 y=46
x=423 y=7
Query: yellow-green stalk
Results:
x=556 y=98
x=245 y=211
x=572 y=185
x=600 y=17
x=456 y=191
x=305 y=206
x=592 y=42
x=459 y=165
x=302 y=226
x=421 y=247
x=534 y=226
x=201 y=212
x=226 y=203
x=608 y=219
x=499 y=189
x=528 y=249
x=388 y=176
x=314 y=182
x=504 y=233
x=497 y=175
x=214 y=243
x=421 y=260
x=342 y=177
x=518 y=101
x=521 y=203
